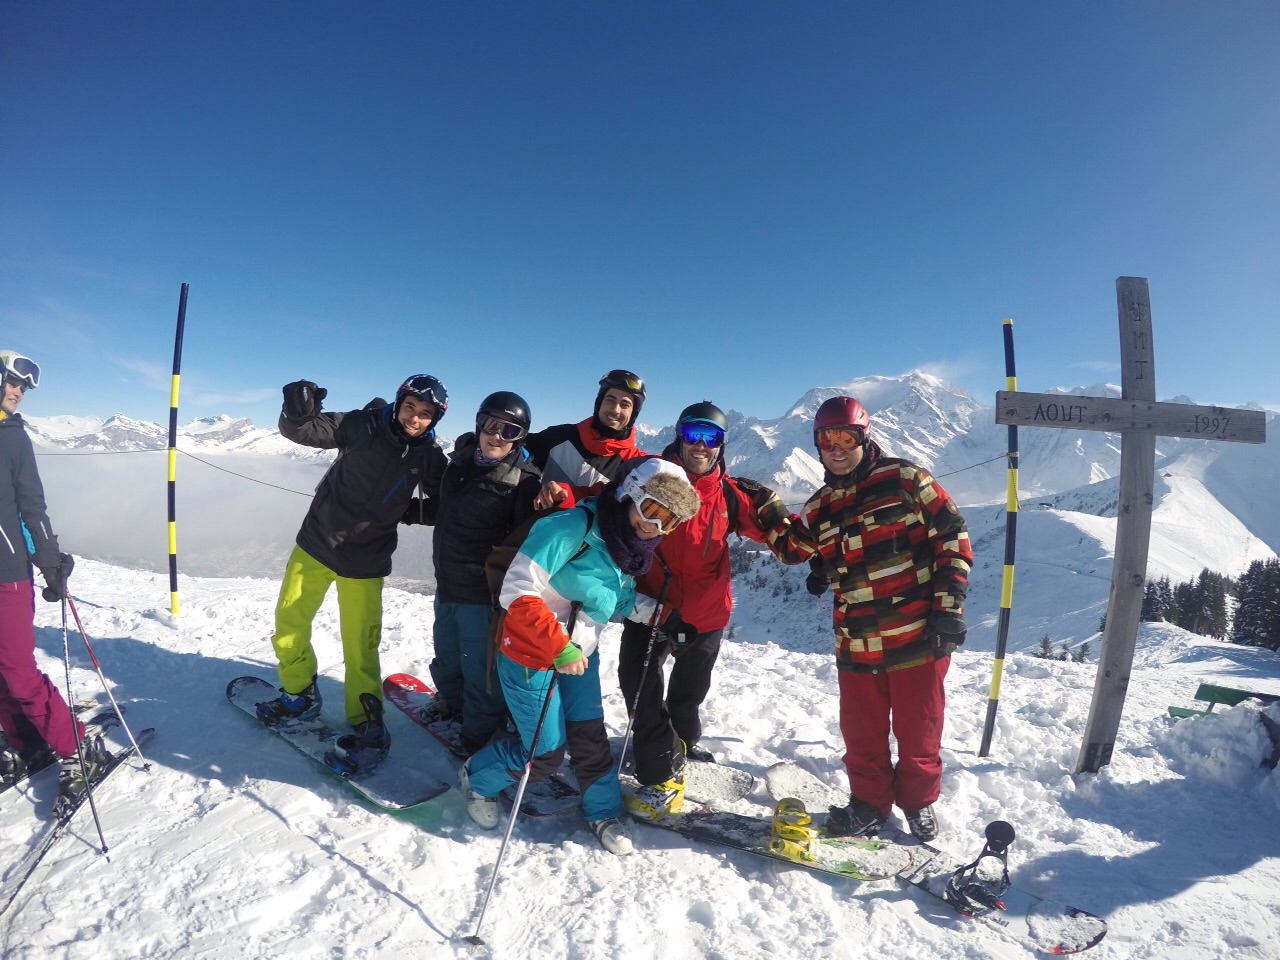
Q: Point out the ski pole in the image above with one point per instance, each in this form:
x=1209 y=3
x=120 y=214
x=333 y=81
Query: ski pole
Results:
x=475 y=938
x=648 y=655
x=75 y=727
x=94 y=660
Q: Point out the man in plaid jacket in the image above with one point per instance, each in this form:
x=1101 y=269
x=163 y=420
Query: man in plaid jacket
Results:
x=890 y=543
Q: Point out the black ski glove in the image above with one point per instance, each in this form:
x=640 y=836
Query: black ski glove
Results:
x=377 y=403
x=682 y=634
x=817 y=582
x=302 y=399
x=770 y=510
x=947 y=630
x=55 y=578
x=421 y=510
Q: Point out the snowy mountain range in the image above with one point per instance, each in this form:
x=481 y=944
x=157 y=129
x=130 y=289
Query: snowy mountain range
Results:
x=242 y=491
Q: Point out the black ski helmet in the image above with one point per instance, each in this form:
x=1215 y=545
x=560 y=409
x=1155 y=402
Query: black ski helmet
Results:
x=507 y=406
x=426 y=388
x=703 y=412
x=622 y=380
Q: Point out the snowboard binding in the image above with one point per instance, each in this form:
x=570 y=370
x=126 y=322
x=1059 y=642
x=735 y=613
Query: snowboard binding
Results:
x=976 y=888
x=793 y=831
x=358 y=753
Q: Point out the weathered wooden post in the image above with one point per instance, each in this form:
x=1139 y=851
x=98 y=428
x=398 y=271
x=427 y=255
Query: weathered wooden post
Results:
x=1139 y=419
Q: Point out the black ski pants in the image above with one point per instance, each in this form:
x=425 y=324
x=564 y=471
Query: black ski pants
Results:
x=661 y=722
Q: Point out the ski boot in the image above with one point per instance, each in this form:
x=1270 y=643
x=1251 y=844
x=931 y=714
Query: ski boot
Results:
x=792 y=831
x=72 y=779
x=612 y=834
x=656 y=801
x=976 y=888
x=363 y=750
x=858 y=819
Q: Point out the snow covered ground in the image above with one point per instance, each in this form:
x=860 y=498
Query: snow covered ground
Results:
x=234 y=845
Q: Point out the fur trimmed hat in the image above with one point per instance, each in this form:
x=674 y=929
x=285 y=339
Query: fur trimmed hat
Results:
x=663 y=481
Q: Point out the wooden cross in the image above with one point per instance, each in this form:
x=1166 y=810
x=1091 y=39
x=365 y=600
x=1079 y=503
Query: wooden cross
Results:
x=1139 y=419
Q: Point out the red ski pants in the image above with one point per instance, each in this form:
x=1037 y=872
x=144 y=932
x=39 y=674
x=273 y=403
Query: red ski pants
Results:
x=30 y=705
x=909 y=702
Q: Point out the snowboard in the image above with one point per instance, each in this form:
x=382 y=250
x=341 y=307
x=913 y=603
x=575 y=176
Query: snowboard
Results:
x=390 y=785
x=709 y=784
x=1042 y=924
x=64 y=811
x=542 y=798
x=841 y=856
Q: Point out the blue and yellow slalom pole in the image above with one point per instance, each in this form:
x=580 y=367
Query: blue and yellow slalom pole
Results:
x=173 y=453
x=1010 y=537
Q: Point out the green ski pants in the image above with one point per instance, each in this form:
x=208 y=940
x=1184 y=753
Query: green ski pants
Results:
x=305 y=583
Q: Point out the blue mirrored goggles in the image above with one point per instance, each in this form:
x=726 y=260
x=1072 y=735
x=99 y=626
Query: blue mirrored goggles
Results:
x=708 y=434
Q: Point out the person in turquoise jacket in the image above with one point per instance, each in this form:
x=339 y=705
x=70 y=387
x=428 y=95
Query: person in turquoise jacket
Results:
x=588 y=555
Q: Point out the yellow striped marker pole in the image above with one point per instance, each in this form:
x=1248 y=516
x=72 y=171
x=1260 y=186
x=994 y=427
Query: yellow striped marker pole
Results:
x=1010 y=538
x=173 y=453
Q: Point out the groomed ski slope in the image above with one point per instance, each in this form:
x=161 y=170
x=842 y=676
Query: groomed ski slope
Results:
x=235 y=846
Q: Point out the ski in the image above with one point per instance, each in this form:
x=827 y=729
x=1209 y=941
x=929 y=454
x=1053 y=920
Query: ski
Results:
x=1040 y=923
x=542 y=798
x=64 y=812
x=391 y=785
x=100 y=722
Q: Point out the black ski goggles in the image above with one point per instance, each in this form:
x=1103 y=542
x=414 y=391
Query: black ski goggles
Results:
x=22 y=370
x=502 y=429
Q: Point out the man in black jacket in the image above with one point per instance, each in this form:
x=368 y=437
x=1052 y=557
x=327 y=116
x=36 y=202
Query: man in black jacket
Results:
x=385 y=455
x=34 y=716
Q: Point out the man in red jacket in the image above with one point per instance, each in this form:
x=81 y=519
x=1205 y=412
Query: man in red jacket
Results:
x=695 y=558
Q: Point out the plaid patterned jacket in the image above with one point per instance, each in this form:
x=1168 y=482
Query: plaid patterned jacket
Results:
x=895 y=548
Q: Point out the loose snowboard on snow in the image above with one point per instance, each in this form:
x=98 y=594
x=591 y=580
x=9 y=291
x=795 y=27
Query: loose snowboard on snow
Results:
x=1042 y=924
x=709 y=784
x=64 y=811
x=390 y=785
x=791 y=837
x=542 y=798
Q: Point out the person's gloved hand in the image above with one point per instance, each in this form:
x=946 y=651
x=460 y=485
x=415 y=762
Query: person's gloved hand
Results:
x=770 y=510
x=55 y=578
x=302 y=399
x=947 y=631
x=682 y=634
x=421 y=510
x=817 y=582
x=377 y=403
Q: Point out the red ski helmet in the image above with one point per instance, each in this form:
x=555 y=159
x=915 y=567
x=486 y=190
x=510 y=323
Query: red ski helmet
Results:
x=841 y=412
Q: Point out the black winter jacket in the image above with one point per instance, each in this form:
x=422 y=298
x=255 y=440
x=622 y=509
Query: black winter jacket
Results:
x=351 y=526
x=22 y=501
x=479 y=506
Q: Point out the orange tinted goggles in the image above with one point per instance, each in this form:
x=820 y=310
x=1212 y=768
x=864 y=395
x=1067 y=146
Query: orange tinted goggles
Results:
x=846 y=438
x=659 y=513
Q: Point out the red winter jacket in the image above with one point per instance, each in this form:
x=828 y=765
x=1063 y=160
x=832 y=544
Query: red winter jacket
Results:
x=697 y=552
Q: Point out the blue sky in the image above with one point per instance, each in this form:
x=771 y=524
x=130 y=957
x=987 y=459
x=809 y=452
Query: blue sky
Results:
x=737 y=200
